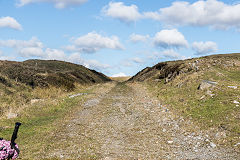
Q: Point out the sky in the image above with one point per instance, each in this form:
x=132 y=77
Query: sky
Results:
x=117 y=38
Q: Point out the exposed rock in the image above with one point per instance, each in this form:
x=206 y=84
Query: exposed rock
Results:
x=213 y=145
x=194 y=66
x=33 y=101
x=76 y=95
x=210 y=93
x=202 y=97
x=11 y=115
x=180 y=85
x=235 y=102
x=157 y=80
x=206 y=85
x=220 y=135
x=233 y=87
x=171 y=76
x=237 y=144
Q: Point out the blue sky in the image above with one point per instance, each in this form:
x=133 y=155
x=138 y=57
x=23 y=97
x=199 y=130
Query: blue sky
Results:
x=117 y=37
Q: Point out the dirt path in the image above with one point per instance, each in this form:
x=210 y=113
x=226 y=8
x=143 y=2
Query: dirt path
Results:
x=127 y=123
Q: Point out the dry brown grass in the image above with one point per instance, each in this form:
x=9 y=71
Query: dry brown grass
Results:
x=41 y=118
x=120 y=79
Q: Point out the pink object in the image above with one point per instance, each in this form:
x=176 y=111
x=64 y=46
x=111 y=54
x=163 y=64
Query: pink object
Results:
x=6 y=150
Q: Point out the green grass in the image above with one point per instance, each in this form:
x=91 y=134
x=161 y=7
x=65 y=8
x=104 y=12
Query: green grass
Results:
x=217 y=112
x=39 y=121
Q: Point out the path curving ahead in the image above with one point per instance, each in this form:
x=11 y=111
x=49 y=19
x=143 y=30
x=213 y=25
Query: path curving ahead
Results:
x=125 y=122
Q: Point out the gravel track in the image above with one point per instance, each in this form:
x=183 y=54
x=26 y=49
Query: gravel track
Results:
x=123 y=121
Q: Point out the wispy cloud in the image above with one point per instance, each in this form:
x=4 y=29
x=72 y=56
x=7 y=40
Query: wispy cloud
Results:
x=204 y=47
x=138 y=38
x=137 y=60
x=9 y=22
x=57 y=3
x=171 y=54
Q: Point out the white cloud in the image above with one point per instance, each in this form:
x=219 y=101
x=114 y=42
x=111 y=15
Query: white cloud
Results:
x=94 y=64
x=172 y=54
x=137 y=60
x=75 y=58
x=31 y=51
x=212 y=13
x=138 y=38
x=54 y=54
x=19 y=44
x=9 y=22
x=204 y=47
x=25 y=48
x=170 y=39
x=32 y=48
x=35 y=48
x=152 y=15
x=122 y=12
x=121 y=74
x=93 y=42
x=57 y=3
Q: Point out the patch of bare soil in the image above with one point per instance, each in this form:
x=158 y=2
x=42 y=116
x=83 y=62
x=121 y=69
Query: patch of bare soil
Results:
x=125 y=122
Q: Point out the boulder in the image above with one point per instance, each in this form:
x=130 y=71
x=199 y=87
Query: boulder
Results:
x=206 y=85
x=11 y=115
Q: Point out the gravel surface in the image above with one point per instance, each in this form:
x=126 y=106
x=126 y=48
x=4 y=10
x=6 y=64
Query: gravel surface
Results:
x=124 y=122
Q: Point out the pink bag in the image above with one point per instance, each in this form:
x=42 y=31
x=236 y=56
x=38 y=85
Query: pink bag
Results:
x=6 y=151
x=9 y=149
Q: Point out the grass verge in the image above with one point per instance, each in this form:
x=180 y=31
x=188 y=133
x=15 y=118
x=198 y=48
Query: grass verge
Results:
x=40 y=120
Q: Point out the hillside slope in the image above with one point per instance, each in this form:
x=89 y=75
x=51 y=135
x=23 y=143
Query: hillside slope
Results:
x=23 y=83
x=171 y=69
x=43 y=73
x=205 y=89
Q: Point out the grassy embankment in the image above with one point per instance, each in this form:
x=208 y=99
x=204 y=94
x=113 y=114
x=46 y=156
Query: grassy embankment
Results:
x=215 y=112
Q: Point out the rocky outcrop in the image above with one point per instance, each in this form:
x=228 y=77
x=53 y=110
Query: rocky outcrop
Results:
x=206 y=85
